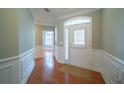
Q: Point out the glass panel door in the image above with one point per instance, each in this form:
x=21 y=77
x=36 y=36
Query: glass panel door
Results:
x=48 y=39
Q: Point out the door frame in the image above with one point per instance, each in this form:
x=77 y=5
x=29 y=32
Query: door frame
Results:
x=90 y=45
x=44 y=38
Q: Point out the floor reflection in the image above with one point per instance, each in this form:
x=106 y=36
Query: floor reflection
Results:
x=48 y=65
x=46 y=71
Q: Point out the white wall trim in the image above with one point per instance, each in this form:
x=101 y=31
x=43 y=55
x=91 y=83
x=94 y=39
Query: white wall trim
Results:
x=16 y=57
x=9 y=59
x=9 y=72
x=114 y=58
x=21 y=68
x=59 y=54
x=27 y=52
x=27 y=74
x=109 y=55
x=27 y=65
x=104 y=74
x=111 y=67
x=6 y=66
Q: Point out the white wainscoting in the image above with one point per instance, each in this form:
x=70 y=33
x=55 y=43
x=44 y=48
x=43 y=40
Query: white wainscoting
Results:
x=75 y=55
x=38 y=51
x=17 y=69
x=79 y=57
x=111 y=68
x=59 y=54
x=27 y=65
x=9 y=71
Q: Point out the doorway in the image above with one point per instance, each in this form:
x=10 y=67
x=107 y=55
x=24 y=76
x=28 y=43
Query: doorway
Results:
x=48 y=39
x=48 y=43
x=78 y=41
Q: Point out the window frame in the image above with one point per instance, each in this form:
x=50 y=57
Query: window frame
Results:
x=79 y=37
x=78 y=27
x=70 y=22
x=85 y=43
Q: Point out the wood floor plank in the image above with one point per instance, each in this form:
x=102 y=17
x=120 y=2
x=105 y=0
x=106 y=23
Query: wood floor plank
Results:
x=46 y=71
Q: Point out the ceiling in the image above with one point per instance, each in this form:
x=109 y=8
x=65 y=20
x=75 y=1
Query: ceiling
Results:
x=50 y=18
x=63 y=12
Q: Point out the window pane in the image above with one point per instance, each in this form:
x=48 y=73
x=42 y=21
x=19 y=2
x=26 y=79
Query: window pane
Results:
x=79 y=37
x=77 y=21
x=48 y=38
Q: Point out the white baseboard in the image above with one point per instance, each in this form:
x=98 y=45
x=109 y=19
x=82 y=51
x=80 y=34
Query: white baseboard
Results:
x=28 y=72
x=105 y=76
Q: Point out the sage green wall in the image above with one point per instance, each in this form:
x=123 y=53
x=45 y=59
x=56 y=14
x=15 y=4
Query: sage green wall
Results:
x=96 y=28
x=113 y=32
x=16 y=32
x=26 y=30
x=8 y=33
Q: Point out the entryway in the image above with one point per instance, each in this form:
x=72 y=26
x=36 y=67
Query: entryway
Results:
x=78 y=41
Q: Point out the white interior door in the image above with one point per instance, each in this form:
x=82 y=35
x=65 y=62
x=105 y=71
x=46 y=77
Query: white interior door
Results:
x=80 y=45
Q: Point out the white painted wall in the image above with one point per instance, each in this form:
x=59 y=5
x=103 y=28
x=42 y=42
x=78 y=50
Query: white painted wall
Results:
x=59 y=54
x=38 y=51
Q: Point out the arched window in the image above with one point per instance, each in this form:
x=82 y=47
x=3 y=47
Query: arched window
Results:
x=77 y=20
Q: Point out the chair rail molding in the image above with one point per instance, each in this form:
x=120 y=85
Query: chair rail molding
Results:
x=111 y=67
x=15 y=70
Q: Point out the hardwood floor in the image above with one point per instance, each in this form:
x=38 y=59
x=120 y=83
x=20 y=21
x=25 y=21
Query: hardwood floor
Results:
x=46 y=72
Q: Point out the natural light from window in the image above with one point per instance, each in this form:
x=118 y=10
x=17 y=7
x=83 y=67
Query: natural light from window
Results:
x=79 y=37
x=75 y=21
x=48 y=37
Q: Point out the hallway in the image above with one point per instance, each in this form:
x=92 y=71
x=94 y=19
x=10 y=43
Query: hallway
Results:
x=46 y=72
x=82 y=37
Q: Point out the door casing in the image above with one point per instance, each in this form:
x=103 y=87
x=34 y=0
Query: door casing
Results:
x=80 y=56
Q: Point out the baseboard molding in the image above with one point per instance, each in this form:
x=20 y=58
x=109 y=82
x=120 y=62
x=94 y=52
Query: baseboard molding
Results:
x=105 y=76
x=56 y=58
x=28 y=73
